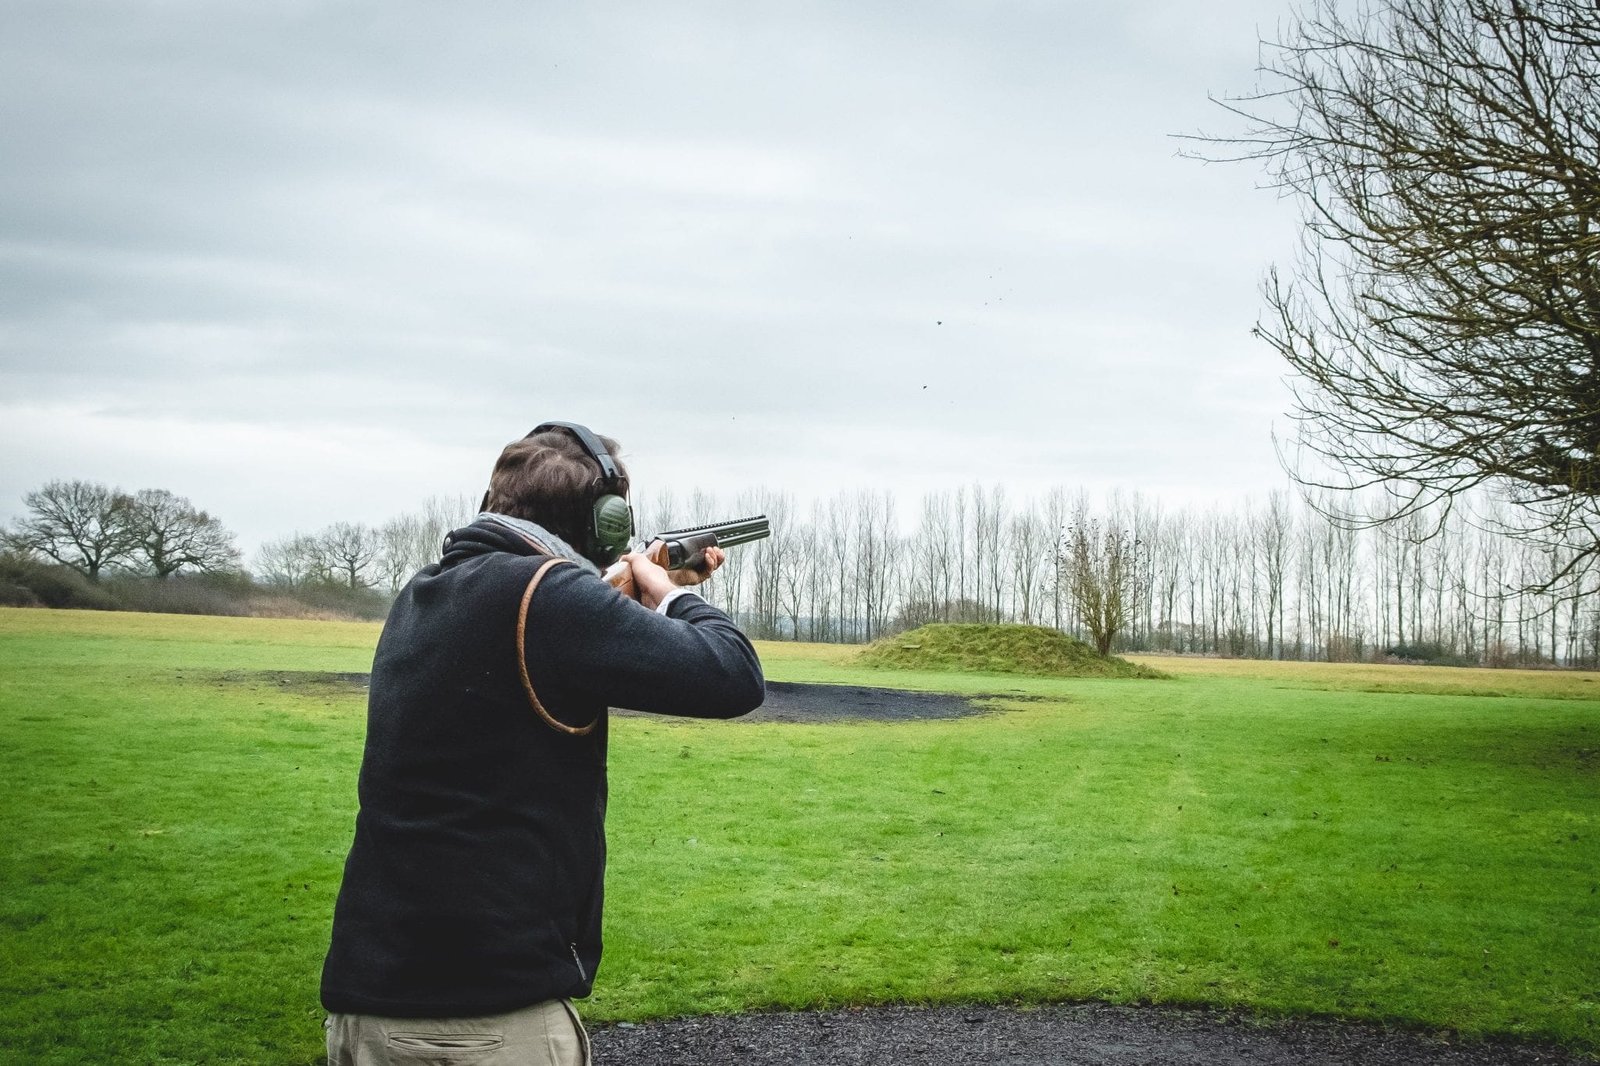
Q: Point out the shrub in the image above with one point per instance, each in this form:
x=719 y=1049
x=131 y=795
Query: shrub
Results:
x=225 y=594
x=51 y=585
x=14 y=595
x=1426 y=653
x=341 y=599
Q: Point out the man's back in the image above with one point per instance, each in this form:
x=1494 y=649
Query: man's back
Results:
x=474 y=885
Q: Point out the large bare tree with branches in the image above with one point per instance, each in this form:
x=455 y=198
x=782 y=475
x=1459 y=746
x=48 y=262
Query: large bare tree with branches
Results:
x=350 y=549
x=172 y=535
x=1443 y=320
x=81 y=524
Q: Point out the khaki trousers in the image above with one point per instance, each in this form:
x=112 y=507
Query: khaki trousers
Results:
x=545 y=1034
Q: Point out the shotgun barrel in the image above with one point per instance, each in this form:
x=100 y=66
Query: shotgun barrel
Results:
x=678 y=548
x=685 y=546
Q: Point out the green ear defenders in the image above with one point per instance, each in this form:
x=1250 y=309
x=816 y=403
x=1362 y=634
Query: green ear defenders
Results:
x=611 y=526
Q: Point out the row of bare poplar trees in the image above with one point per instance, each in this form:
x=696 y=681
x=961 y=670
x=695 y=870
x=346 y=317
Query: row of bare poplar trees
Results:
x=1275 y=578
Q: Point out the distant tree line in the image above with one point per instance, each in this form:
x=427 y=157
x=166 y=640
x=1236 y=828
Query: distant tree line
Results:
x=359 y=556
x=1275 y=579
x=1272 y=579
x=86 y=544
x=90 y=527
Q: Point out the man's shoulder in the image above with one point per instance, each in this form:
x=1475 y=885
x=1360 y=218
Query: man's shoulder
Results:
x=545 y=581
x=502 y=576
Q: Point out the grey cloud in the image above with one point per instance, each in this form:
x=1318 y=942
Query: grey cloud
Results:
x=428 y=219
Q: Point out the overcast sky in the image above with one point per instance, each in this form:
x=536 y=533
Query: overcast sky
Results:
x=304 y=262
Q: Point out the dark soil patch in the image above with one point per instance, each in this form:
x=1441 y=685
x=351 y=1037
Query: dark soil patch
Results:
x=1072 y=1035
x=303 y=682
x=786 y=701
x=791 y=702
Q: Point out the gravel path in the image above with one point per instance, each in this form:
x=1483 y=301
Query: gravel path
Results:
x=1077 y=1035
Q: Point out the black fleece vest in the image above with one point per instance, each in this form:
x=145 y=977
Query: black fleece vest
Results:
x=474 y=884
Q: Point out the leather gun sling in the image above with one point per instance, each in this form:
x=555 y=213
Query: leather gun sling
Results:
x=522 y=659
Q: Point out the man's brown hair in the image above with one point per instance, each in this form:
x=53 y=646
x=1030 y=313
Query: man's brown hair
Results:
x=551 y=479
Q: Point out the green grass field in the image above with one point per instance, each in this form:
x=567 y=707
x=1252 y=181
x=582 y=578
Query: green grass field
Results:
x=1412 y=844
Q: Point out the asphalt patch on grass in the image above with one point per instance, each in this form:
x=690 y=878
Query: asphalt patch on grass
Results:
x=1063 y=1035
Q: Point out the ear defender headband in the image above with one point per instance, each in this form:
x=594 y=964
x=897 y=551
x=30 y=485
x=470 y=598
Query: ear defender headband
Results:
x=611 y=523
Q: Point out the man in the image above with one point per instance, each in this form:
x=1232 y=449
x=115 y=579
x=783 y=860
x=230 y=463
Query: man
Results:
x=469 y=915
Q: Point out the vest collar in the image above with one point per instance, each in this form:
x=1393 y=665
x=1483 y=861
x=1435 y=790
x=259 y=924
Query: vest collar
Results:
x=491 y=532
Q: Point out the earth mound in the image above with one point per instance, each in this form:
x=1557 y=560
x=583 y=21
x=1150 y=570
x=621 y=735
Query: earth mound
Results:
x=997 y=649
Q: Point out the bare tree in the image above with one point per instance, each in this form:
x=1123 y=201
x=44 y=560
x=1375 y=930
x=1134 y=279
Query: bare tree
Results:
x=1169 y=570
x=876 y=553
x=926 y=590
x=841 y=542
x=819 y=577
x=1444 y=318
x=727 y=587
x=1146 y=522
x=1272 y=543
x=655 y=513
x=964 y=564
x=799 y=556
x=171 y=535
x=81 y=524
x=292 y=561
x=985 y=549
x=1101 y=565
x=350 y=549
x=1031 y=540
x=989 y=551
x=1055 y=521
x=1337 y=551
x=414 y=539
x=942 y=551
x=768 y=558
x=397 y=541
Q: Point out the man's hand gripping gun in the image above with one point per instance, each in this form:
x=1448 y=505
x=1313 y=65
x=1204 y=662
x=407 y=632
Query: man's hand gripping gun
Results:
x=685 y=549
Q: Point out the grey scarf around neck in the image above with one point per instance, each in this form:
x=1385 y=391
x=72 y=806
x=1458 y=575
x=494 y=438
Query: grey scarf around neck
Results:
x=540 y=534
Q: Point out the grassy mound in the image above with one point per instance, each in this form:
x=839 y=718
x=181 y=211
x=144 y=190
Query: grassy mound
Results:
x=998 y=649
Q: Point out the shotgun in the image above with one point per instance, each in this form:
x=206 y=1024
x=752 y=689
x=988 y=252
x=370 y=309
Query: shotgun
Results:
x=679 y=548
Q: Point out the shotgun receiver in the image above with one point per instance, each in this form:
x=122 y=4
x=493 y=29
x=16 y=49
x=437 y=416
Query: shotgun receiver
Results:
x=679 y=548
